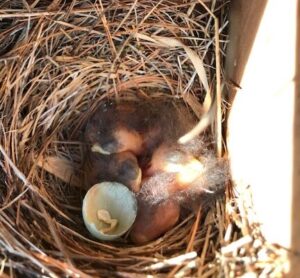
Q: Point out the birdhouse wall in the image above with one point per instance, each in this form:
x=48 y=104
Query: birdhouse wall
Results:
x=263 y=131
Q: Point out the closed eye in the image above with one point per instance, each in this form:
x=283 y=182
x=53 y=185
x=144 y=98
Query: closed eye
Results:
x=128 y=169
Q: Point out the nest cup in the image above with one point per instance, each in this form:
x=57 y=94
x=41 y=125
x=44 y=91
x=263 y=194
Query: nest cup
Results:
x=65 y=59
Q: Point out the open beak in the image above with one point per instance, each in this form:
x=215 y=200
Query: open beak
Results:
x=97 y=149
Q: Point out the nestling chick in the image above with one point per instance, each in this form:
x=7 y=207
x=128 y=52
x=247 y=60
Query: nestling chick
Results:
x=154 y=220
x=138 y=127
x=174 y=173
x=112 y=129
x=121 y=167
x=172 y=159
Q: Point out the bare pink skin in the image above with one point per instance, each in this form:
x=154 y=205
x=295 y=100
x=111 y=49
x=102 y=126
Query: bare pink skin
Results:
x=154 y=220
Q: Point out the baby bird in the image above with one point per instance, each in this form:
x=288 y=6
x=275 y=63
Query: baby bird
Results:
x=112 y=129
x=154 y=220
x=120 y=167
x=138 y=127
x=174 y=173
x=172 y=159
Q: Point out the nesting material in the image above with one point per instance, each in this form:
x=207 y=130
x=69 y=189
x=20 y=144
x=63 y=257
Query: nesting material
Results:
x=61 y=60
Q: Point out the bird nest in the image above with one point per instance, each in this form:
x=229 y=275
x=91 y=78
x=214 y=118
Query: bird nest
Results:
x=59 y=61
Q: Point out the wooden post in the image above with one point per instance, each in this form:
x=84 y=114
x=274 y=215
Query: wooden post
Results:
x=263 y=133
x=295 y=259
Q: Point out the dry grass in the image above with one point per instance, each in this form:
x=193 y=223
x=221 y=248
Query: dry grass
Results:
x=57 y=63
